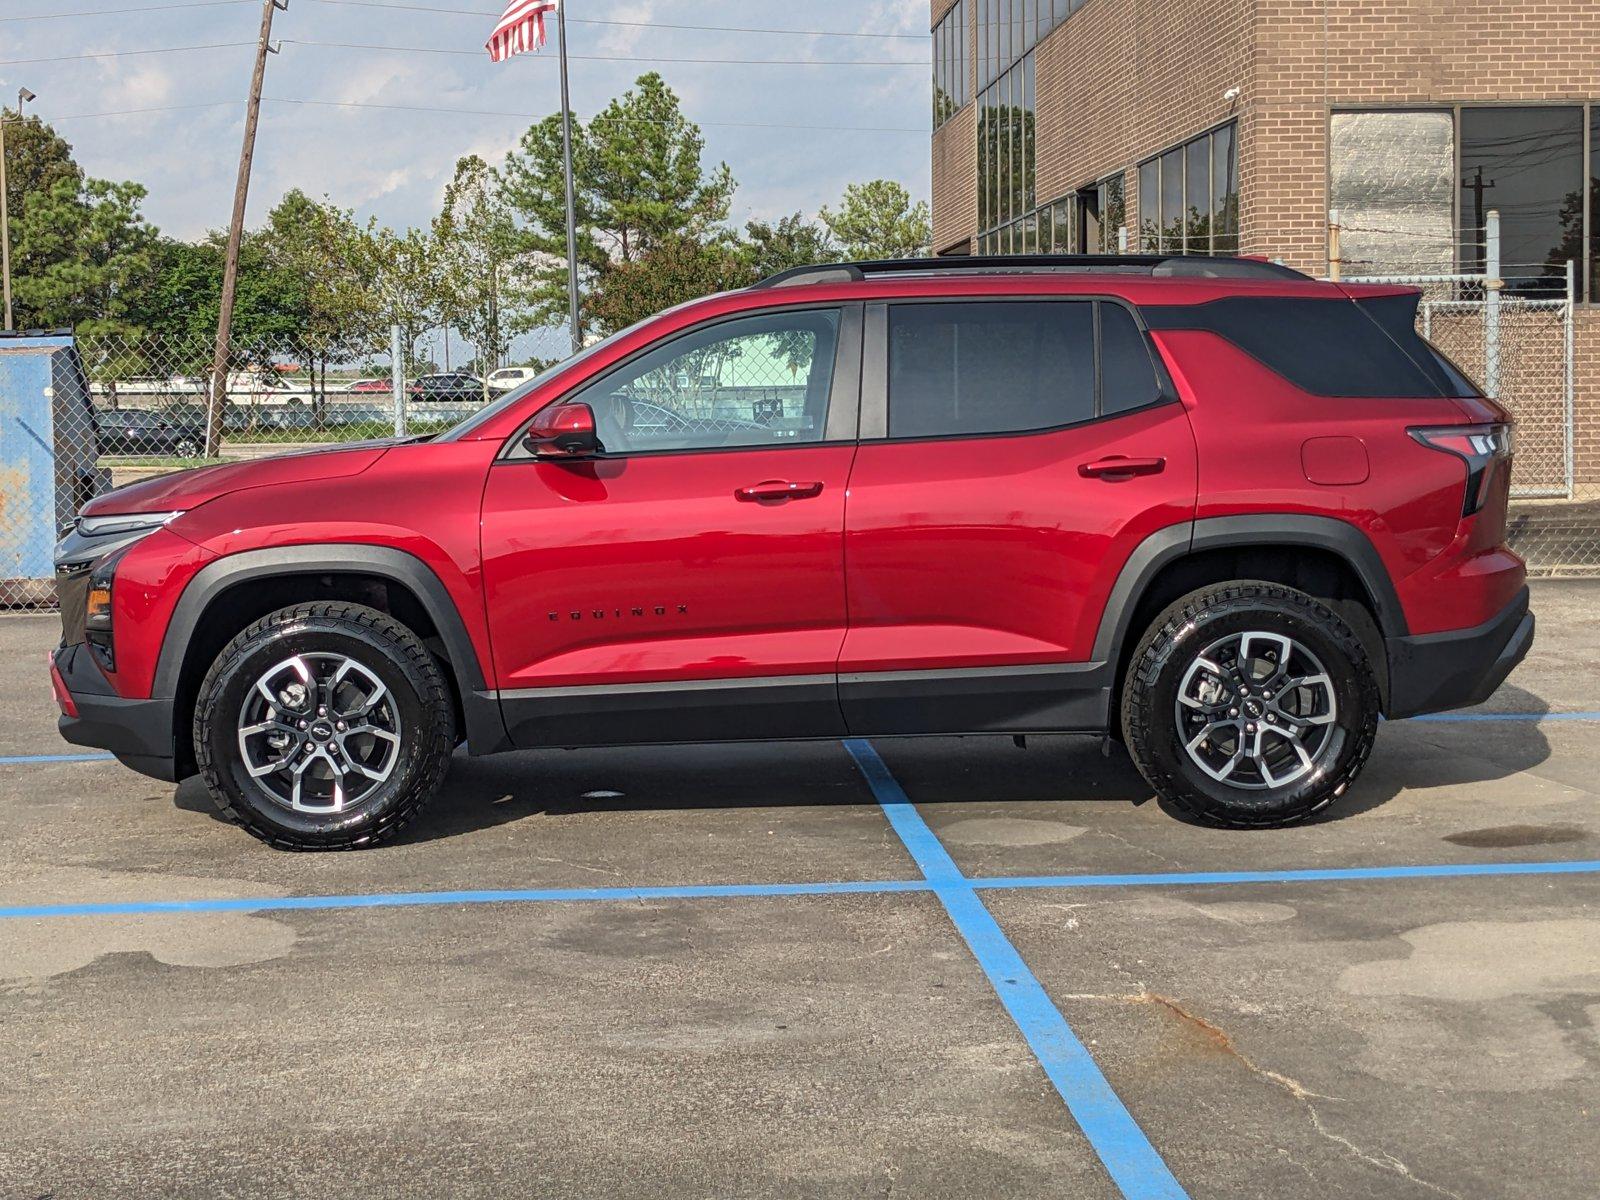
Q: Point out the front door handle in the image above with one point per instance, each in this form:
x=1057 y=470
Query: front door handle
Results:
x=778 y=489
x=1119 y=466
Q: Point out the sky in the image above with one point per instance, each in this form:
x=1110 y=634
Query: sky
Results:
x=394 y=164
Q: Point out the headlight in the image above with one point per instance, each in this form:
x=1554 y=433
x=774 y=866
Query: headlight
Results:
x=107 y=526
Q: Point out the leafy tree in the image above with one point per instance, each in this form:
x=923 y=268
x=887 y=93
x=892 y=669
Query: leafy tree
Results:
x=89 y=255
x=638 y=180
x=878 y=220
x=484 y=261
x=789 y=242
x=405 y=272
x=320 y=246
x=676 y=269
x=185 y=295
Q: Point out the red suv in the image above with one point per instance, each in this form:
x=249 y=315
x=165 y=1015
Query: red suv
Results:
x=1210 y=507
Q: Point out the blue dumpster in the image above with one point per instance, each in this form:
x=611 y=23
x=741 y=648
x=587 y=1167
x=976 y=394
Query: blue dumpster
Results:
x=47 y=458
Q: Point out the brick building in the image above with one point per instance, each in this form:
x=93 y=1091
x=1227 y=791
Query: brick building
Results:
x=1225 y=126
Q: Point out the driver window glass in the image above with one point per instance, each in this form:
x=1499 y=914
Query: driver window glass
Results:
x=754 y=381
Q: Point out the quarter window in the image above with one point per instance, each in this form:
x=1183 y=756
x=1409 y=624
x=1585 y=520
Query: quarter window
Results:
x=754 y=381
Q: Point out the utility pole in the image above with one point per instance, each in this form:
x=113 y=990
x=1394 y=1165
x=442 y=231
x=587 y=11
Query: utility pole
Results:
x=230 y=265
x=1478 y=186
x=5 y=222
x=23 y=96
x=572 y=214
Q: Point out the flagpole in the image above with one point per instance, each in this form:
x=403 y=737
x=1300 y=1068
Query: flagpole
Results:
x=566 y=159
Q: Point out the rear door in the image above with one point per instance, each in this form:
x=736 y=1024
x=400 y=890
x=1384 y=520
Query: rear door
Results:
x=1013 y=454
x=688 y=583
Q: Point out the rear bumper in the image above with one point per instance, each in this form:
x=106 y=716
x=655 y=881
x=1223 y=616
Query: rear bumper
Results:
x=138 y=732
x=1439 y=671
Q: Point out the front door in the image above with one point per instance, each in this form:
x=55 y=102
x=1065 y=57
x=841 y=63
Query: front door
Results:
x=1013 y=454
x=687 y=584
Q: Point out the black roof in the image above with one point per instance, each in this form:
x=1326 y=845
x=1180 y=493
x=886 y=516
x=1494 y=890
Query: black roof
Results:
x=1167 y=266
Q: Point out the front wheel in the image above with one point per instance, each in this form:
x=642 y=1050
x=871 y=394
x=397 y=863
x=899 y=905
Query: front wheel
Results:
x=324 y=726
x=1250 y=704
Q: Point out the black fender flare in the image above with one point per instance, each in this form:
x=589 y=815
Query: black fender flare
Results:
x=485 y=728
x=1173 y=542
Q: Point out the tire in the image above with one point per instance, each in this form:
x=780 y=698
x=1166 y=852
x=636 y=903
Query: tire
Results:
x=351 y=776
x=1217 y=649
x=187 y=448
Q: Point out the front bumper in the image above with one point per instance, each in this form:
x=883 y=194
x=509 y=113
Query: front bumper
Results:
x=138 y=732
x=1439 y=671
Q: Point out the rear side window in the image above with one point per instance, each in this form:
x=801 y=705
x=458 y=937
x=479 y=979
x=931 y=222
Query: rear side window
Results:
x=967 y=369
x=1325 y=347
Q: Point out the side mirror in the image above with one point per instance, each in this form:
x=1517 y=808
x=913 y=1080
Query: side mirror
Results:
x=563 y=431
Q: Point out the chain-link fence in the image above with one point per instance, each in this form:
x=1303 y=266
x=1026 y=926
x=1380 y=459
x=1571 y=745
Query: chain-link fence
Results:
x=151 y=399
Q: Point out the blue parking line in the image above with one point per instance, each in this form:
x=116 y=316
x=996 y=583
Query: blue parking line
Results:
x=1292 y=875
x=442 y=899
x=713 y=891
x=1134 y=1166
x=11 y=760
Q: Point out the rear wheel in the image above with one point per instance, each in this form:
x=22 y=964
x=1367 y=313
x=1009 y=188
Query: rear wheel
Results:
x=1250 y=704
x=323 y=726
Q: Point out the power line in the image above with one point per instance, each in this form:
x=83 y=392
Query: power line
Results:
x=117 y=12
x=482 y=12
x=526 y=116
x=55 y=58
x=750 y=62
x=480 y=112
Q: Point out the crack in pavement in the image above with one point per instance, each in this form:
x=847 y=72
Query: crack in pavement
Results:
x=1223 y=1041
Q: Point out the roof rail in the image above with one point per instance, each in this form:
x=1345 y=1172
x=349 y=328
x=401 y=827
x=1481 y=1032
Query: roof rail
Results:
x=1160 y=266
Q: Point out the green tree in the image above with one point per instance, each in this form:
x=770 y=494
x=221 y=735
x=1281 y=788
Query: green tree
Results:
x=878 y=220
x=406 y=275
x=88 y=255
x=788 y=242
x=321 y=246
x=484 y=262
x=639 y=179
x=676 y=269
x=37 y=159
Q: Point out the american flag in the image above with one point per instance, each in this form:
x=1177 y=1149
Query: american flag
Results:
x=521 y=28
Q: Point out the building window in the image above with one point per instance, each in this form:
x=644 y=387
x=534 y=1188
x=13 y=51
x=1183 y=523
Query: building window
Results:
x=1189 y=197
x=1005 y=148
x=1413 y=191
x=1392 y=180
x=950 y=64
x=1008 y=29
x=1528 y=164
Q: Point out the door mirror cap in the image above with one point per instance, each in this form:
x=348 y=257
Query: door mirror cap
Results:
x=563 y=431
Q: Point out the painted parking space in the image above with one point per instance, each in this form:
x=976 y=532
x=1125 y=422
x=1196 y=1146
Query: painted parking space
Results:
x=937 y=967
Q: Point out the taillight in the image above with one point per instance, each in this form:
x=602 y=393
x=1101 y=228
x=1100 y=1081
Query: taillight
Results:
x=1484 y=448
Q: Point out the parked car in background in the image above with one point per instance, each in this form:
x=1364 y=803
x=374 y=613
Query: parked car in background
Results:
x=367 y=387
x=142 y=431
x=454 y=385
x=507 y=378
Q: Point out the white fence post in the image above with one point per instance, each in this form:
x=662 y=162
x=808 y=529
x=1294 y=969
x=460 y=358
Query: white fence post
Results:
x=1492 y=284
x=397 y=371
x=1566 y=317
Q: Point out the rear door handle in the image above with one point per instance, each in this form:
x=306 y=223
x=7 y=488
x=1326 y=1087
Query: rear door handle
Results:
x=778 y=489
x=1120 y=466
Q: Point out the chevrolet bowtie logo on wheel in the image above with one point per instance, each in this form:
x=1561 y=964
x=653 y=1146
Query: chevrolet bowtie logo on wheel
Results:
x=618 y=614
